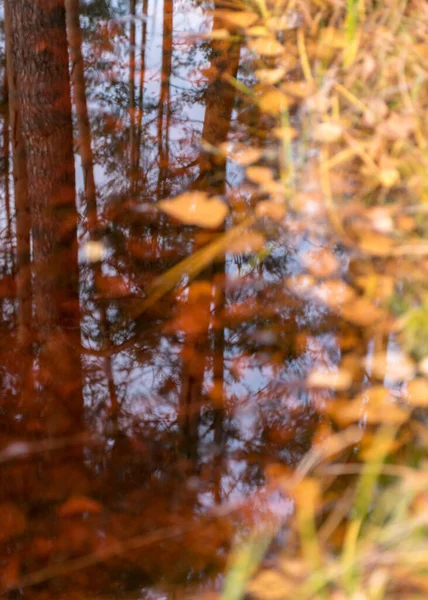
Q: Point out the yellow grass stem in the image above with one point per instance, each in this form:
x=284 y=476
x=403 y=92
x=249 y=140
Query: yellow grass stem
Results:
x=304 y=61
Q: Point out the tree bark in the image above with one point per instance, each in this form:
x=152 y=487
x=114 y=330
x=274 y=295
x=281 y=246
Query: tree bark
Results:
x=40 y=61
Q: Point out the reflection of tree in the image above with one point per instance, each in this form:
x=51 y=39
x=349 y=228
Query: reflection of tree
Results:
x=39 y=54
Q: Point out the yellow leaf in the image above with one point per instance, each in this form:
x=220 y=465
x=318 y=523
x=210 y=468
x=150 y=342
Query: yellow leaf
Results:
x=338 y=380
x=395 y=366
x=328 y=132
x=363 y=313
x=274 y=102
x=257 y=31
x=238 y=18
x=259 y=174
x=240 y=153
x=270 y=76
x=389 y=177
x=299 y=89
x=376 y=245
x=266 y=47
x=417 y=392
x=196 y=208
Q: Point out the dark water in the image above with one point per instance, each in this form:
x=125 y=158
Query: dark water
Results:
x=130 y=459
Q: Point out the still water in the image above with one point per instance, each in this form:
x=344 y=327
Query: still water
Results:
x=135 y=438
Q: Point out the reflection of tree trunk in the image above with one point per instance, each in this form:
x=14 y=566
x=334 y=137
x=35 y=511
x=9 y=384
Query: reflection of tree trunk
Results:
x=132 y=152
x=79 y=94
x=40 y=61
x=218 y=112
x=6 y=167
x=141 y=89
x=22 y=211
x=85 y=149
x=164 y=100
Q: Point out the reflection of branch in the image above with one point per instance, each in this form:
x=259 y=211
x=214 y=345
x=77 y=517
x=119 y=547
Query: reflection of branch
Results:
x=117 y=549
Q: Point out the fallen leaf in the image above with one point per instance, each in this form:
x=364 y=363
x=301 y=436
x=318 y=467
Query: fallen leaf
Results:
x=389 y=177
x=397 y=127
x=196 y=208
x=269 y=585
x=338 y=380
x=334 y=293
x=417 y=392
x=274 y=102
x=76 y=505
x=376 y=244
x=375 y=405
x=363 y=313
x=251 y=241
x=270 y=76
x=298 y=89
x=395 y=366
x=259 y=174
x=272 y=210
x=238 y=18
x=241 y=154
x=327 y=133
x=300 y=284
x=266 y=47
x=320 y=262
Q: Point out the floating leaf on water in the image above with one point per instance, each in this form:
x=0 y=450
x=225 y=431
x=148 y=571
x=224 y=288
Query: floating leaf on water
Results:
x=274 y=102
x=395 y=366
x=300 y=284
x=363 y=313
x=196 y=208
x=327 y=133
x=320 y=262
x=94 y=251
x=241 y=153
x=375 y=405
x=334 y=293
x=251 y=241
x=417 y=392
x=76 y=505
x=266 y=47
x=338 y=380
x=238 y=18
x=271 y=209
x=259 y=174
x=270 y=76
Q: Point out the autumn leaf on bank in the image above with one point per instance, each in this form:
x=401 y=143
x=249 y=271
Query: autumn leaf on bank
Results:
x=196 y=208
x=238 y=18
x=266 y=47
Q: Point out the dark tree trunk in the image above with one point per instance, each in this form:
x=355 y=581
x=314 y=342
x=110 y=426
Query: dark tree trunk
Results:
x=40 y=62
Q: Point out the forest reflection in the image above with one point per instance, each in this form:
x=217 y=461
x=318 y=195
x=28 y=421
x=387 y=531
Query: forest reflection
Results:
x=183 y=405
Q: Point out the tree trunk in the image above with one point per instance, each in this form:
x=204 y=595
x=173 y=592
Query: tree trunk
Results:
x=40 y=61
x=22 y=210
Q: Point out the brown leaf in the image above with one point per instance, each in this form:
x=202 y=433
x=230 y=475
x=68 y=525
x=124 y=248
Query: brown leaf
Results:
x=333 y=293
x=259 y=174
x=320 y=262
x=274 y=102
x=338 y=380
x=397 y=127
x=196 y=208
x=266 y=47
x=76 y=505
x=272 y=210
x=238 y=18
